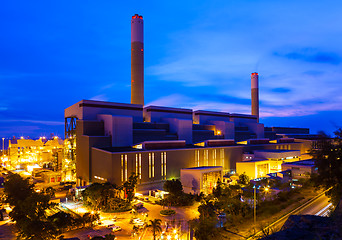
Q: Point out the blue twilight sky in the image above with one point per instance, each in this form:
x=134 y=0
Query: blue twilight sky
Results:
x=198 y=54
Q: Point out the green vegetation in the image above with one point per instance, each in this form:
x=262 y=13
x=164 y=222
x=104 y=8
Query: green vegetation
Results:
x=176 y=196
x=205 y=227
x=167 y=212
x=155 y=226
x=329 y=164
x=108 y=197
x=130 y=185
x=243 y=179
x=31 y=210
x=105 y=197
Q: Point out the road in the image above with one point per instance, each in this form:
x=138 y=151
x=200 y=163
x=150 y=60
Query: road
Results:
x=320 y=206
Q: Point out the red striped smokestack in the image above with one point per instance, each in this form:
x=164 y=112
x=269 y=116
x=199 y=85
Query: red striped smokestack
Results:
x=255 y=94
x=137 y=60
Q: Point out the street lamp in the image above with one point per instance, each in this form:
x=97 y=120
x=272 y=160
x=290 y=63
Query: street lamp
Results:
x=254 y=187
x=3 y=145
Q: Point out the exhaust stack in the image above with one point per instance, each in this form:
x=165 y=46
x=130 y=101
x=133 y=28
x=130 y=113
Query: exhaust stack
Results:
x=255 y=94
x=137 y=60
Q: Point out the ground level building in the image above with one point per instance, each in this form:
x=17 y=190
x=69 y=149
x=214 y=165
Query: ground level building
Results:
x=115 y=139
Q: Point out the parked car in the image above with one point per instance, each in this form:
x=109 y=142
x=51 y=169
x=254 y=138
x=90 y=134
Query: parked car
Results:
x=137 y=220
x=116 y=228
x=139 y=205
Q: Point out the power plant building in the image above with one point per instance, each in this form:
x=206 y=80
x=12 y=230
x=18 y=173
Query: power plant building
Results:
x=115 y=139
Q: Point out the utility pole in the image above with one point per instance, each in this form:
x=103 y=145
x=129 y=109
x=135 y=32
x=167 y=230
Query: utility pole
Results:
x=254 y=205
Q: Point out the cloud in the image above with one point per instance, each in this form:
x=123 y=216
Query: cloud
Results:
x=101 y=97
x=174 y=100
x=51 y=123
x=281 y=90
x=312 y=55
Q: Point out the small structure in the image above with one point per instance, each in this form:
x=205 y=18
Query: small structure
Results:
x=254 y=168
x=262 y=162
x=300 y=169
x=200 y=179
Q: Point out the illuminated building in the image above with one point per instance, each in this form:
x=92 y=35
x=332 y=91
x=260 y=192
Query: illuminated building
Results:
x=26 y=153
x=200 y=179
x=111 y=140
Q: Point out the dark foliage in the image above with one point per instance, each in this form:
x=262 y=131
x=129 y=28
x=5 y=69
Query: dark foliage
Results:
x=328 y=160
x=29 y=209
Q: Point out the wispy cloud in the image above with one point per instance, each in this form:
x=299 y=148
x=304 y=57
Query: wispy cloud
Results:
x=52 y=123
x=312 y=55
x=101 y=97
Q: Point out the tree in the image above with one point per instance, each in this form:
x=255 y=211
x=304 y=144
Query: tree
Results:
x=130 y=185
x=29 y=209
x=217 y=191
x=155 y=225
x=61 y=220
x=205 y=227
x=50 y=191
x=328 y=161
x=174 y=187
x=243 y=179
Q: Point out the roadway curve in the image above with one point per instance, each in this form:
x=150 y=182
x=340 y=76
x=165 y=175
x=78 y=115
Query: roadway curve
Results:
x=319 y=206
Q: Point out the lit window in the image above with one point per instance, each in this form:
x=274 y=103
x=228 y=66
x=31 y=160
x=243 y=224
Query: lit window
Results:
x=152 y=164
x=162 y=164
x=122 y=171
x=139 y=165
x=136 y=164
x=149 y=165
x=165 y=164
x=125 y=167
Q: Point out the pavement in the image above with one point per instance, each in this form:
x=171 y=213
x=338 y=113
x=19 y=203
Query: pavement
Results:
x=150 y=211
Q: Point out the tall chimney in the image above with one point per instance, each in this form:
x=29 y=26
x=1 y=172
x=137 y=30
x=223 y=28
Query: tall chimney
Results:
x=255 y=94
x=137 y=60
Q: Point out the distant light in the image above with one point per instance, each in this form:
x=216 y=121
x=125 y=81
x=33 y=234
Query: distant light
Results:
x=22 y=137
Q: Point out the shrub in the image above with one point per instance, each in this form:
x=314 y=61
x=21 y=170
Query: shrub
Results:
x=167 y=212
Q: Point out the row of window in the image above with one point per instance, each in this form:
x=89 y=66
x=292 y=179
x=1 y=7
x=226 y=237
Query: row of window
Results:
x=151 y=168
x=216 y=162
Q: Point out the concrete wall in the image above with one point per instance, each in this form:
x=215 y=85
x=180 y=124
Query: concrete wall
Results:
x=88 y=110
x=120 y=128
x=191 y=181
x=205 y=117
x=84 y=144
x=226 y=128
x=256 y=128
x=182 y=127
x=156 y=113
x=242 y=119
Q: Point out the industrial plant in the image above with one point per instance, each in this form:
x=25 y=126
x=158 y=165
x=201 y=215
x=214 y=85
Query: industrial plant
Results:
x=108 y=141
